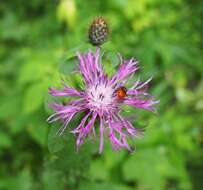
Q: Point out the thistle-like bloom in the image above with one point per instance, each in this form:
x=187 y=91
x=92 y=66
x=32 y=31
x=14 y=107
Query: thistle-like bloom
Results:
x=101 y=102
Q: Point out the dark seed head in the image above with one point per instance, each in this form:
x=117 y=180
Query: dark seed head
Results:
x=98 y=31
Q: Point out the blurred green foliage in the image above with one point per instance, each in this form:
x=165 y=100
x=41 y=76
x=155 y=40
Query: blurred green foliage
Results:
x=37 y=36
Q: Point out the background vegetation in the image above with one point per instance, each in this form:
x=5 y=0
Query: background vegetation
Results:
x=36 y=36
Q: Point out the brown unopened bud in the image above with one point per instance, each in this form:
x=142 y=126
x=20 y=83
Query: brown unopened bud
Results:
x=98 y=31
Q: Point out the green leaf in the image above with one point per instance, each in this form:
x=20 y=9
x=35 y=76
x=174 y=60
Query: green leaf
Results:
x=149 y=167
x=9 y=106
x=68 y=65
x=52 y=180
x=98 y=170
x=111 y=158
x=23 y=181
x=55 y=142
x=33 y=98
x=19 y=124
x=29 y=73
x=102 y=186
x=65 y=156
x=38 y=132
x=5 y=140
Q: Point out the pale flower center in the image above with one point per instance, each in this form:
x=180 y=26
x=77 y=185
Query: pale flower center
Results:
x=100 y=95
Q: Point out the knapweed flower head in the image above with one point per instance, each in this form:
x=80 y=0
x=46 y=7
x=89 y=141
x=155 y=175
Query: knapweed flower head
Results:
x=100 y=101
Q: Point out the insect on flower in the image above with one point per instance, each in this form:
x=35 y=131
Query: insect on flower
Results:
x=100 y=100
x=121 y=93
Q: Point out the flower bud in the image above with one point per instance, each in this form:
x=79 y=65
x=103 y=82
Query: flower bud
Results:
x=98 y=31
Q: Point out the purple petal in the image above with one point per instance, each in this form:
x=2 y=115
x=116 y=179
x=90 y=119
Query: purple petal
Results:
x=86 y=130
x=139 y=88
x=116 y=127
x=66 y=122
x=127 y=68
x=131 y=130
x=63 y=112
x=101 y=131
x=81 y=125
x=140 y=103
x=90 y=67
x=66 y=91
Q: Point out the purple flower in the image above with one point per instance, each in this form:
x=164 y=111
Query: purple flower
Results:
x=101 y=101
